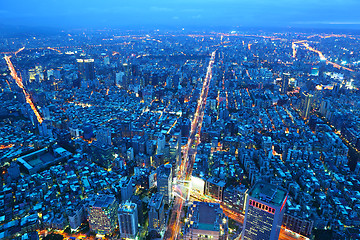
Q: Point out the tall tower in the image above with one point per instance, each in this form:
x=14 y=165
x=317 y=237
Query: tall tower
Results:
x=86 y=71
x=164 y=182
x=156 y=212
x=307 y=105
x=285 y=82
x=265 y=207
x=128 y=220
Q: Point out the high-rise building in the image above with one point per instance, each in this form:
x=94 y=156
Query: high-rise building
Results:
x=101 y=154
x=86 y=69
x=265 y=207
x=128 y=220
x=76 y=215
x=285 y=82
x=235 y=198
x=102 y=210
x=160 y=143
x=164 y=182
x=175 y=151
x=139 y=205
x=214 y=187
x=88 y=131
x=103 y=136
x=306 y=107
x=119 y=78
x=127 y=189
x=156 y=212
x=86 y=72
x=298 y=224
x=205 y=221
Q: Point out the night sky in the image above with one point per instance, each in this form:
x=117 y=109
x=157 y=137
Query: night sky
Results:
x=181 y=13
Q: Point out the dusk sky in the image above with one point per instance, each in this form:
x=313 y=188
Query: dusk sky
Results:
x=181 y=13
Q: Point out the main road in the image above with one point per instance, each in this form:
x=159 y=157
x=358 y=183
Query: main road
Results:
x=19 y=82
x=187 y=162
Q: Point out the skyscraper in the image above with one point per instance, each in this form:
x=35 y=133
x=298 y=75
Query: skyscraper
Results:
x=156 y=212
x=128 y=220
x=306 y=107
x=265 y=207
x=102 y=211
x=285 y=82
x=164 y=182
x=127 y=189
x=86 y=69
x=86 y=72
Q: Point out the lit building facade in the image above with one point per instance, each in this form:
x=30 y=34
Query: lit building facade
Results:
x=102 y=214
x=265 y=207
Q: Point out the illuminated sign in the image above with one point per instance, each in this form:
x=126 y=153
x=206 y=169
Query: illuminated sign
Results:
x=261 y=206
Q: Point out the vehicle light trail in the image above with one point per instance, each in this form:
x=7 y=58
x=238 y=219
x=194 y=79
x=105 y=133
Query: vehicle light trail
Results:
x=19 y=50
x=6 y=146
x=293 y=45
x=187 y=163
x=54 y=49
x=321 y=55
x=19 y=82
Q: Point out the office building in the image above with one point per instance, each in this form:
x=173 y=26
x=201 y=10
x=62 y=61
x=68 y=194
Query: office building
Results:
x=156 y=212
x=127 y=189
x=76 y=215
x=86 y=69
x=86 y=72
x=160 y=143
x=299 y=225
x=285 y=82
x=235 y=198
x=164 y=182
x=119 y=78
x=265 y=207
x=205 y=221
x=306 y=107
x=214 y=187
x=102 y=155
x=128 y=220
x=102 y=210
x=103 y=136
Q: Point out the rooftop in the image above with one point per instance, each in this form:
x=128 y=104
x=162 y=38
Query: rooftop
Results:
x=268 y=193
x=103 y=200
x=127 y=207
x=156 y=200
x=205 y=216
